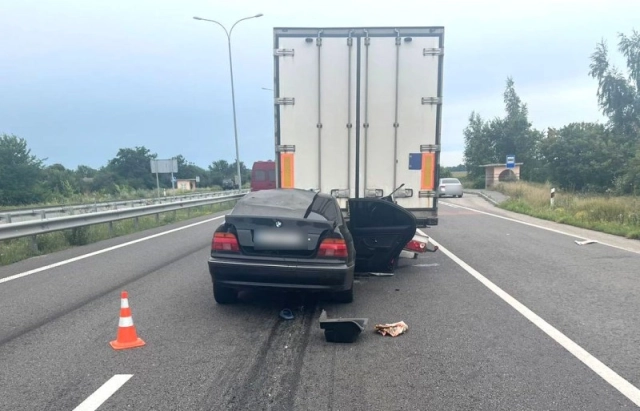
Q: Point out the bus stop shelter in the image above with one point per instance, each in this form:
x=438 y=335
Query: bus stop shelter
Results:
x=498 y=173
x=186 y=184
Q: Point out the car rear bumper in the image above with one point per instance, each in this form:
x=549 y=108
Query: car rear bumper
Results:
x=282 y=275
x=451 y=192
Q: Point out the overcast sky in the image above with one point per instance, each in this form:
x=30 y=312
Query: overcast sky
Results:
x=80 y=79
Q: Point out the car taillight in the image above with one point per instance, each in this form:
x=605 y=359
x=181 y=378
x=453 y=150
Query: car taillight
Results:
x=333 y=247
x=416 y=246
x=225 y=242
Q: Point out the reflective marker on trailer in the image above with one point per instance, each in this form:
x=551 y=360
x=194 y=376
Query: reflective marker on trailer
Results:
x=287 y=170
x=428 y=171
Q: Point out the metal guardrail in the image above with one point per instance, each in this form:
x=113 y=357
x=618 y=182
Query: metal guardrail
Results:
x=9 y=217
x=35 y=227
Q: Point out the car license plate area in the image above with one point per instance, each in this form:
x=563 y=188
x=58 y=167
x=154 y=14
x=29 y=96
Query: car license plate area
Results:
x=278 y=239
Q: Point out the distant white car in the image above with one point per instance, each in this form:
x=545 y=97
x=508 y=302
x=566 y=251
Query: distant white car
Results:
x=450 y=187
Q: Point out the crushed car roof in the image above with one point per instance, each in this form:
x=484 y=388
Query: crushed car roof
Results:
x=292 y=203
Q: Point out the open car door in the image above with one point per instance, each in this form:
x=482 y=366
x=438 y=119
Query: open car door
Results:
x=380 y=230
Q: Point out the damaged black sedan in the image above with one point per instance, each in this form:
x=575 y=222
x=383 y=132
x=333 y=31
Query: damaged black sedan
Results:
x=293 y=239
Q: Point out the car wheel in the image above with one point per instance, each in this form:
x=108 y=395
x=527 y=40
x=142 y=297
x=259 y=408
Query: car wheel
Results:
x=344 y=297
x=460 y=196
x=224 y=295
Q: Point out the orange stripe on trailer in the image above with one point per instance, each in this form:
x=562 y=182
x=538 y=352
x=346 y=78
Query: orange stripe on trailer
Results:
x=287 y=168
x=428 y=171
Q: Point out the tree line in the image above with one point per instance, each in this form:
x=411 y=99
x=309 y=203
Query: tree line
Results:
x=581 y=156
x=24 y=179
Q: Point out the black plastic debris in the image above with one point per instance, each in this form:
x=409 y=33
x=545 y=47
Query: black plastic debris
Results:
x=341 y=330
x=286 y=314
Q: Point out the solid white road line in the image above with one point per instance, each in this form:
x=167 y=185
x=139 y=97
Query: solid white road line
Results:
x=606 y=373
x=105 y=250
x=103 y=393
x=535 y=225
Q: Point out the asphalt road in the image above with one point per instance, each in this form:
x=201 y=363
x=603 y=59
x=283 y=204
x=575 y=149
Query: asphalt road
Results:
x=466 y=348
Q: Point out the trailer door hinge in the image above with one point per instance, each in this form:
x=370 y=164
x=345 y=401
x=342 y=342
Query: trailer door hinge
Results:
x=426 y=194
x=283 y=101
x=433 y=52
x=284 y=148
x=283 y=52
x=431 y=100
x=429 y=148
x=340 y=193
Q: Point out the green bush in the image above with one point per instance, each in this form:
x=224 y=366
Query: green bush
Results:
x=78 y=236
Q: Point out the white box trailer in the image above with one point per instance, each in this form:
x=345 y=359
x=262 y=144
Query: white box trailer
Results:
x=358 y=113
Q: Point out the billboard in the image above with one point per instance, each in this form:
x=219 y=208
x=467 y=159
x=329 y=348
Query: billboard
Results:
x=164 y=166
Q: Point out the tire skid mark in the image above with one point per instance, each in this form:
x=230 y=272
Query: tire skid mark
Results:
x=267 y=378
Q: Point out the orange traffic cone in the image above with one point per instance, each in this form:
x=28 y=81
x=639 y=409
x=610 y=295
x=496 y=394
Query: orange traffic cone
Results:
x=127 y=336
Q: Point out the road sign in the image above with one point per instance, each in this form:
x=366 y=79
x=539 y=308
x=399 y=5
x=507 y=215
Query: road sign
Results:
x=169 y=166
x=511 y=161
x=173 y=179
x=164 y=166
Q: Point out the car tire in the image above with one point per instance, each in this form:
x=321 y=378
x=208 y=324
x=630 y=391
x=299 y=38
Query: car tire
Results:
x=224 y=295
x=344 y=297
x=460 y=196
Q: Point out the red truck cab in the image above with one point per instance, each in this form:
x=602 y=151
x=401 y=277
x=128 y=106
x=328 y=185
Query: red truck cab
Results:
x=263 y=175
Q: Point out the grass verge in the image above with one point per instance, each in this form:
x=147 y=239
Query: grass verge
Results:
x=609 y=214
x=12 y=251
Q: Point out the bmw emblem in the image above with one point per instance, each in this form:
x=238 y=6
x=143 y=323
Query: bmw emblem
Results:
x=278 y=223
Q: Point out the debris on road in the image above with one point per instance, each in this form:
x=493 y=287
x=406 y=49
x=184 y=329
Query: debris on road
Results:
x=286 y=314
x=393 y=329
x=342 y=330
x=585 y=242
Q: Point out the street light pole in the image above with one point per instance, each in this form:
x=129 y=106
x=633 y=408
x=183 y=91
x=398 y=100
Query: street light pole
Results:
x=233 y=95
